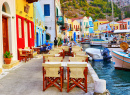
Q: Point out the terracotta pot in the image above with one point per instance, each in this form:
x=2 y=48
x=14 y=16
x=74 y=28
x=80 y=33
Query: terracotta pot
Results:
x=7 y=60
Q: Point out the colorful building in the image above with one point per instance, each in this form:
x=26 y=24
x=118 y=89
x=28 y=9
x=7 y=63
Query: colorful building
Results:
x=76 y=28
x=8 y=38
x=70 y=29
x=39 y=25
x=52 y=12
x=98 y=22
x=24 y=23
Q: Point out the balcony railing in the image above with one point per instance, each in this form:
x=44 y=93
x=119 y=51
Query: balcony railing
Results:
x=31 y=1
x=77 y=29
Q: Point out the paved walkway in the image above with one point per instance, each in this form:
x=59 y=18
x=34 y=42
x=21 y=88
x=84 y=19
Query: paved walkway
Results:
x=27 y=80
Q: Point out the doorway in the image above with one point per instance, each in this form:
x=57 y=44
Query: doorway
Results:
x=5 y=34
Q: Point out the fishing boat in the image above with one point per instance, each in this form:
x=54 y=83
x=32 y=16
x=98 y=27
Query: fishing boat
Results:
x=95 y=54
x=121 y=59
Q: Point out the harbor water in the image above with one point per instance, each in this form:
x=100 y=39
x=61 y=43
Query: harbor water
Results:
x=118 y=81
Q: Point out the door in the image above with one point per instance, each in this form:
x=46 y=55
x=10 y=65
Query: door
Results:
x=5 y=35
x=37 y=39
x=26 y=34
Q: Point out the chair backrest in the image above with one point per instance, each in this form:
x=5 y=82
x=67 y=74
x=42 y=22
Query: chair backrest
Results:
x=52 y=70
x=20 y=51
x=48 y=55
x=26 y=47
x=66 y=48
x=53 y=52
x=79 y=53
x=76 y=49
x=77 y=70
x=77 y=59
x=55 y=59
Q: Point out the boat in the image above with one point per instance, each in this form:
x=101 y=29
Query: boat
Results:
x=95 y=54
x=104 y=38
x=84 y=41
x=121 y=60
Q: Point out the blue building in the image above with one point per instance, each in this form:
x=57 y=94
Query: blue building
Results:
x=39 y=25
x=91 y=25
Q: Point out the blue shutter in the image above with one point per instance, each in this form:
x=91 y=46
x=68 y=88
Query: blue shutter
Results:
x=47 y=10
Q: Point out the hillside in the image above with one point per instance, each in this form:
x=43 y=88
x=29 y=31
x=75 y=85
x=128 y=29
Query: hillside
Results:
x=95 y=8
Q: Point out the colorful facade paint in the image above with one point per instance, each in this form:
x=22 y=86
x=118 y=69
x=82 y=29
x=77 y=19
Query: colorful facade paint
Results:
x=91 y=25
x=76 y=28
x=128 y=24
x=50 y=8
x=39 y=25
x=112 y=25
x=8 y=38
x=98 y=22
x=85 y=26
x=24 y=24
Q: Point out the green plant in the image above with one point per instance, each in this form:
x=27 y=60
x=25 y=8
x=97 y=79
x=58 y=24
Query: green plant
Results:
x=60 y=41
x=8 y=54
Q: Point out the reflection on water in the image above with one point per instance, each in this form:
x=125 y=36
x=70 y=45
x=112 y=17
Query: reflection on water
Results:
x=118 y=81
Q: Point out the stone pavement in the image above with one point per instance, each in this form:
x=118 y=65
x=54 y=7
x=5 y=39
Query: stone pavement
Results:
x=27 y=80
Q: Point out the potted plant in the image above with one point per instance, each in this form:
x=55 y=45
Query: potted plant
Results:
x=7 y=57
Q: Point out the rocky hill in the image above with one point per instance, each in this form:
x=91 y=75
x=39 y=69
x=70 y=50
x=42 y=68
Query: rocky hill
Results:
x=94 y=8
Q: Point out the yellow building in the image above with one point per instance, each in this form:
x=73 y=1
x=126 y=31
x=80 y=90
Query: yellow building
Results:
x=69 y=32
x=98 y=22
x=24 y=23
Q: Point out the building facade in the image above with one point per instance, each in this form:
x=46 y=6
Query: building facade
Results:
x=51 y=9
x=24 y=23
x=98 y=22
x=8 y=40
x=39 y=25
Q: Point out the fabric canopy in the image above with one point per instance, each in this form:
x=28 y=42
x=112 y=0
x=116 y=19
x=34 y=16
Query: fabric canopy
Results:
x=122 y=31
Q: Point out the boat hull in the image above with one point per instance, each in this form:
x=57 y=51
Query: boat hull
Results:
x=98 y=42
x=120 y=61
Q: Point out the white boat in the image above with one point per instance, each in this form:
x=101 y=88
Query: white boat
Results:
x=95 y=54
x=121 y=60
x=103 y=39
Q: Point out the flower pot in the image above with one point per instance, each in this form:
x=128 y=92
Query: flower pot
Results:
x=7 y=60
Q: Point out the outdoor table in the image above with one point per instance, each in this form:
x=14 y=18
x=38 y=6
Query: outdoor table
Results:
x=64 y=64
x=37 y=49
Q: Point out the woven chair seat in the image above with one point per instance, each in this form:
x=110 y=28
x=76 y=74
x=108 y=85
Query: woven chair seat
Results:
x=76 y=70
x=55 y=59
x=77 y=59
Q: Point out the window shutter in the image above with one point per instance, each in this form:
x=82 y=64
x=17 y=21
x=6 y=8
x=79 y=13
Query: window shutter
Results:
x=47 y=10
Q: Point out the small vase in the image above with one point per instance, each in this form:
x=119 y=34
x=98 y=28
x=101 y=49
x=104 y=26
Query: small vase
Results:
x=7 y=60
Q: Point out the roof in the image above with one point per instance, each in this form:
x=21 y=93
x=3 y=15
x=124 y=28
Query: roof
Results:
x=126 y=19
x=121 y=21
x=77 y=18
x=100 y=20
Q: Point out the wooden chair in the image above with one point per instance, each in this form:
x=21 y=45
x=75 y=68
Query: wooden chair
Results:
x=26 y=47
x=77 y=74
x=23 y=56
x=85 y=56
x=45 y=57
x=55 y=59
x=76 y=59
x=52 y=74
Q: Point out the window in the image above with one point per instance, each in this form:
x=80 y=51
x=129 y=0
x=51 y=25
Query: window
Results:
x=30 y=26
x=116 y=27
x=3 y=8
x=84 y=23
x=47 y=10
x=74 y=26
x=19 y=26
x=56 y=11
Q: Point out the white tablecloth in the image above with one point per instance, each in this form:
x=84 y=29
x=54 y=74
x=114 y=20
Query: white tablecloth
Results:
x=65 y=63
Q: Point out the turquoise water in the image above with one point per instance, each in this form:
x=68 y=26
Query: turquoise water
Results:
x=117 y=81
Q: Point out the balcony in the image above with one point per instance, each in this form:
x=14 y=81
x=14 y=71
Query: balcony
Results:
x=60 y=20
x=31 y=1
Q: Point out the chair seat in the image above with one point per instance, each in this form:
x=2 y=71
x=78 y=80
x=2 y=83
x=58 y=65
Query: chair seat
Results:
x=23 y=55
